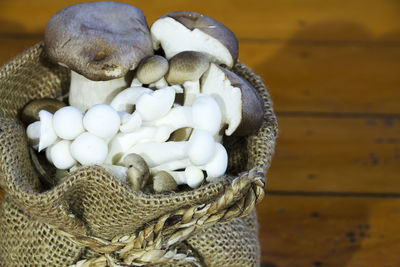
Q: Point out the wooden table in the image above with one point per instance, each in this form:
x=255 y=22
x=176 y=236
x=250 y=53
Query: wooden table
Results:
x=333 y=68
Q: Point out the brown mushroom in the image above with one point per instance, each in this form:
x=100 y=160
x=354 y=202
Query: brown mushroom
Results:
x=30 y=112
x=241 y=106
x=185 y=30
x=100 y=42
x=138 y=172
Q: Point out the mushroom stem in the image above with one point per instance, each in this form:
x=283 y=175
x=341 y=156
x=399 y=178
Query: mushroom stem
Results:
x=192 y=90
x=192 y=176
x=84 y=93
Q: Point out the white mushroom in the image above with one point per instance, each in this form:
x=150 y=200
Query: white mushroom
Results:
x=215 y=167
x=127 y=98
x=68 y=122
x=41 y=134
x=192 y=176
x=131 y=123
x=60 y=155
x=122 y=142
x=204 y=114
x=199 y=150
x=156 y=104
x=102 y=120
x=89 y=149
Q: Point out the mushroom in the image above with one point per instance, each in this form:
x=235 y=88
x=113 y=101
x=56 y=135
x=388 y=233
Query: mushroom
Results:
x=130 y=122
x=68 y=122
x=199 y=150
x=60 y=155
x=204 y=114
x=30 y=112
x=192 y=176
x=138 y=172
x=89 y=149
x=41 y=134
x=102 y=120
x=126 y=99
x=186 y=68
x=152 y=70
x=156 y=104
x=215 y=167
x=100 y=42
x=164 y=182
x=184 y=30
x=241 y=106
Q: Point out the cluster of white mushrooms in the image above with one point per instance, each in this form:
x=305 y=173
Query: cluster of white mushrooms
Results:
x=167 y=127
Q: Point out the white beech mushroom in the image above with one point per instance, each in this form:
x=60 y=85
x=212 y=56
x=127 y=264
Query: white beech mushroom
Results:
x=100 y=42
x=241 y=106
x=41 y=134
x=102 y=120
x=89 y=149
x=68 y=122
x=126 y=99
x=215 y=167
x=60 y=154
x=156 y=104
x=186 y=68
x=184 y=30
x=151 y=70
x=200 y=149
x=204 y=114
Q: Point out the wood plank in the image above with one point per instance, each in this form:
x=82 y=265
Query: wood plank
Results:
x=328 y=231
x=308 y=77
x=337 y=155
x=317 y=77
x=272 y=19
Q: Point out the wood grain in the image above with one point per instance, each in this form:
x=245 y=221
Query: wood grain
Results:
x=337 y=154
x=354 y=20
x=308 y=77
x=329 y=231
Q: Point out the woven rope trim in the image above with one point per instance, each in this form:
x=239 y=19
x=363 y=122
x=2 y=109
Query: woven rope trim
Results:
x=152 y=244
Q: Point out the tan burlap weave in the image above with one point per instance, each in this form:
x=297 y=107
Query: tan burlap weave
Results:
x=96 y=220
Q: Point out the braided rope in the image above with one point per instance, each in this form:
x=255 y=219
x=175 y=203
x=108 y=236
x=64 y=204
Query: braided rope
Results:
x=151 y=245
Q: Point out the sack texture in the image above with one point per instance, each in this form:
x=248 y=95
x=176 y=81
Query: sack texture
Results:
x=81 y=217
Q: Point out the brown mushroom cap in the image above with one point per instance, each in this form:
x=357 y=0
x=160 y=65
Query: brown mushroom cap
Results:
x=30 y=112
x=99 y=40
x=187 y=66
x=138 y=172
x=210 y=26
x=151 y=69
x=164 y=182
x=252 y=105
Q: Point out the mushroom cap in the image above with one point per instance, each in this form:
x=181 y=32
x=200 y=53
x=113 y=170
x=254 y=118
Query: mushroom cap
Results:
x=102 y=120
x=89 y=149
x=30 y=112
x=252 y=105
x=187 y=66
x=99 y=40
x=211 y=27
x=67 y=122
x=60 y=155
x=151 y=69
x=163 y=182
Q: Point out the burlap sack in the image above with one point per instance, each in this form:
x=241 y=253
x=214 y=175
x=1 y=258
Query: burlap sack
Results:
x=95 y=219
